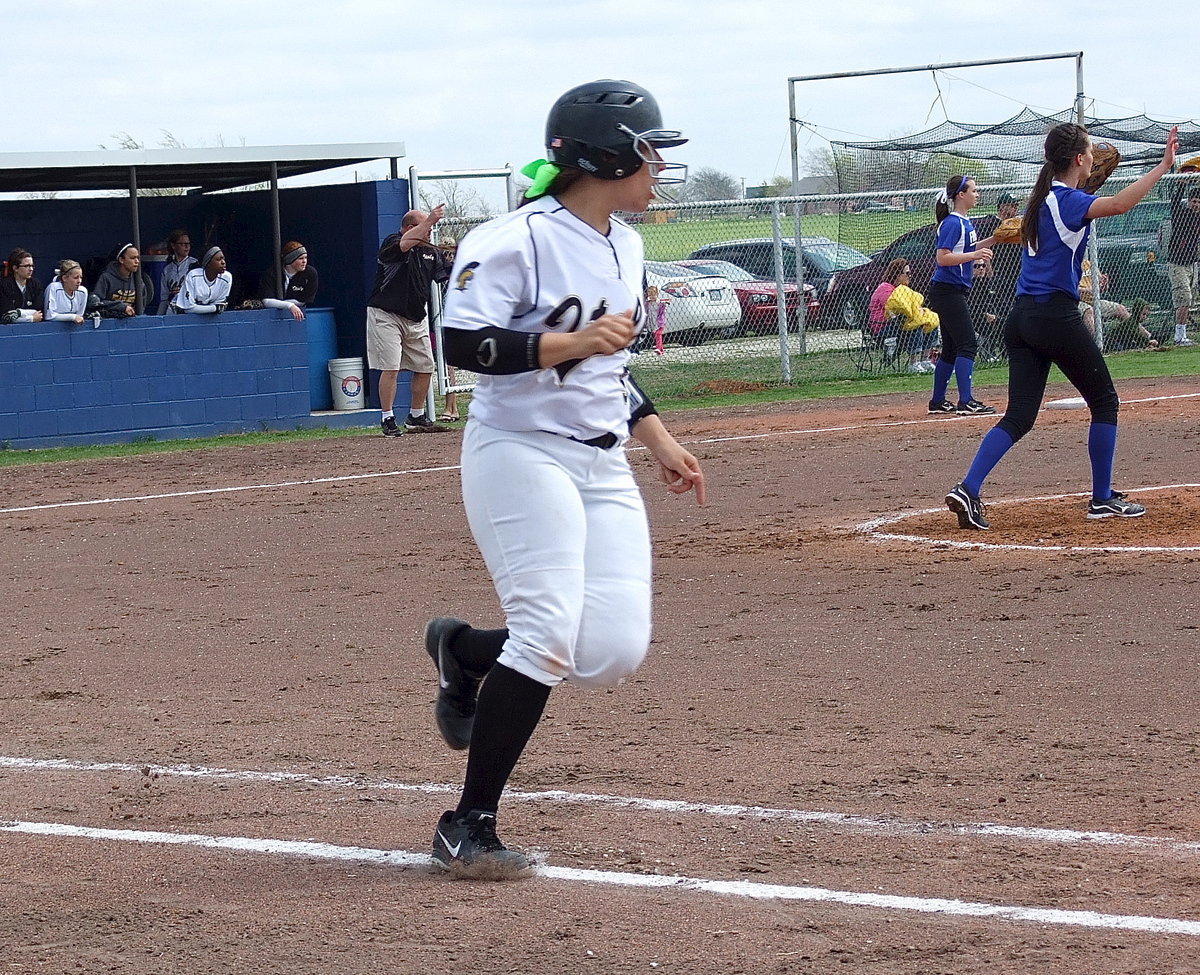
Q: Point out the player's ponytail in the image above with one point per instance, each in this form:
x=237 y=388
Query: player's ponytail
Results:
x=945 y=200
x=1063 y=143
x=561 y=181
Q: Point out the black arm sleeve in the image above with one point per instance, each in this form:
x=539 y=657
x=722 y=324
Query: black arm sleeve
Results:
x=640 y=404
x=492 y=351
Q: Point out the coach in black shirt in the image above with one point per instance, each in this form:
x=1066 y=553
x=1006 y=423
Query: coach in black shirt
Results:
x=397 y=327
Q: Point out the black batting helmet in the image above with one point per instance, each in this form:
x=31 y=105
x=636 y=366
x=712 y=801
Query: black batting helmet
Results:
x=603 y=127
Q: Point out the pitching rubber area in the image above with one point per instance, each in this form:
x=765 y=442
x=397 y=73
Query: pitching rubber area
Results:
x=864 y=740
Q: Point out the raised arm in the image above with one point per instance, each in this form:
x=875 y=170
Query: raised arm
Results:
x=1131 y=195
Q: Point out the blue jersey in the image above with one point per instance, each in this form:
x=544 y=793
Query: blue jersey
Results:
x=1063 y=228
x=956 y=234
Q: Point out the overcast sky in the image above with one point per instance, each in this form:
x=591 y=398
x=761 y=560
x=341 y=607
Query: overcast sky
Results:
x=466 y=83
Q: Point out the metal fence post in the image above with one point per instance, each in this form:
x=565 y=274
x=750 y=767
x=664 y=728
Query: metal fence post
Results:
x=781 y=318
x=1094 y=258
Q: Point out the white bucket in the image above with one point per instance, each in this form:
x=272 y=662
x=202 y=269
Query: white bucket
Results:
x=346 y=381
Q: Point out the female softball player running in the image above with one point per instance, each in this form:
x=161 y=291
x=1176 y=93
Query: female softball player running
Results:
x=544 y=302
x=957 y=251
x=1045 y=327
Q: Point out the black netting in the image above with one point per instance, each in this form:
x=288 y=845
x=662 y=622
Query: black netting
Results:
x=1001 y=152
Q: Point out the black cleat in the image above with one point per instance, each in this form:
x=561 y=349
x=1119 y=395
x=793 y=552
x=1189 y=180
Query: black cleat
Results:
x=938 y=407
x=968 y=508
x=1118 y=506
x=457 y=687
x=469 y=847
x=973 y=407
x=390 y=428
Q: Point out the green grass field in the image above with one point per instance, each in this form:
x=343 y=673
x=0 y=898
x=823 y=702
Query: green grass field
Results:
x=682 y=385
x=868 y=232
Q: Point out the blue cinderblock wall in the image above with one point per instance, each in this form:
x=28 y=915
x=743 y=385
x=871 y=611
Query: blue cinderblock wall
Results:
x=185 y=375
x=179 y=376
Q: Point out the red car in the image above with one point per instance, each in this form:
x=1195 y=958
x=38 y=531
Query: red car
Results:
x=759 y=299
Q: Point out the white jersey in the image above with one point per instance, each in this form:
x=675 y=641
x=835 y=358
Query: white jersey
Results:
x=542 y=269
x=197 y=290
x=61 y=306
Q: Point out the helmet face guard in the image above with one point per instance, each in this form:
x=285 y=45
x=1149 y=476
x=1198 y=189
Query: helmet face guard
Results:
x=646 y=145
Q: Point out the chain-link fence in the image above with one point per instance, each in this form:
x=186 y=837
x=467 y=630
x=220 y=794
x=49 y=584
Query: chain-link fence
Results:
x=715 y=272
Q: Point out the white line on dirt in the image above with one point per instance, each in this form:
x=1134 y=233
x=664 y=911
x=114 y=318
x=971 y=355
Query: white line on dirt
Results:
x=227 y=490
x=453 y=467
x=872 y=527
x=888 y=826
x=738 y=888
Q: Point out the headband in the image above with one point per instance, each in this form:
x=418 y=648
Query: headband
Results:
x=295 y=254
x=942 y=197
x=121 y=252
x=210 y=254
x=542 y=173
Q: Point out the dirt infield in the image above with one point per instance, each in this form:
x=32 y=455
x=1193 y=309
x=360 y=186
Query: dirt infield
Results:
x=859 y=745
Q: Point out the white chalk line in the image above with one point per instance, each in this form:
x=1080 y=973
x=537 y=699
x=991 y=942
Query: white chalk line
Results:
x=454 y=467
x=888 y=826
x=226 y=490
x=871 y=528
x=735 y=888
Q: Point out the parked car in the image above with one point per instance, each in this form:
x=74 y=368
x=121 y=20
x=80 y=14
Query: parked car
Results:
x=760 y=299
x=701 y=305
x=1132 y=250
x=824 y=260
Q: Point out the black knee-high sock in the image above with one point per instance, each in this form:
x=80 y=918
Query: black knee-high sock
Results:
x=476 y=649
x=510 y=706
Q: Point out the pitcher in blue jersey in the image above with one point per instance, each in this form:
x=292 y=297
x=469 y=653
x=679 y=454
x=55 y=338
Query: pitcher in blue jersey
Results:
x=1045 y=327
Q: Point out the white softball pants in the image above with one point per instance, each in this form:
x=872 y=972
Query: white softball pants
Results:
x=563 y=531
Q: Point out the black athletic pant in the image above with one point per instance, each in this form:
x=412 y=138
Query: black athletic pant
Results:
x=958 y=335
x=1044 y=331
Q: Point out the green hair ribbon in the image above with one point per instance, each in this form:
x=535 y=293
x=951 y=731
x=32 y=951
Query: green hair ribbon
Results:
x=542 y=173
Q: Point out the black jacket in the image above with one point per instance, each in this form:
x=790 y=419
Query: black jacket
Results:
x=11 y=298
x=302 y=287
x=402 y=278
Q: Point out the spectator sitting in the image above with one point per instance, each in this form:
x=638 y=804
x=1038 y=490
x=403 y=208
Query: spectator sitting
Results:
x=1124 y=328
x=205 y=289
x=920 y=324
x=885 y=323
x=66 y=297
x=299 y=282
x=124 y=282
x=20 y=292
x=179 y=262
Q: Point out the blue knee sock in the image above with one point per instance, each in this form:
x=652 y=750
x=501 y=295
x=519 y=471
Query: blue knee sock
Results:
x=996 y=443
x=942 y=371
x=1102 y=445
x=963 y=368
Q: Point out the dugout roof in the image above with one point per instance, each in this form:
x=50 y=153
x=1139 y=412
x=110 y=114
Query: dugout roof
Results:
x=202 y=170
x=1020 y=139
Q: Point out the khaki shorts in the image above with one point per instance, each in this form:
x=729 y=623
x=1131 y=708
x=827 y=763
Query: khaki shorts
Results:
x=1180 y=276
x=394 y=342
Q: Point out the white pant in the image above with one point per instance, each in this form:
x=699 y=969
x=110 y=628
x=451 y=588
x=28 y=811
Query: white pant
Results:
x=563 y=531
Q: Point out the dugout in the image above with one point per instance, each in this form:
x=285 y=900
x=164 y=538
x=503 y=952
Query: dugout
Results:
x=50 y=373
